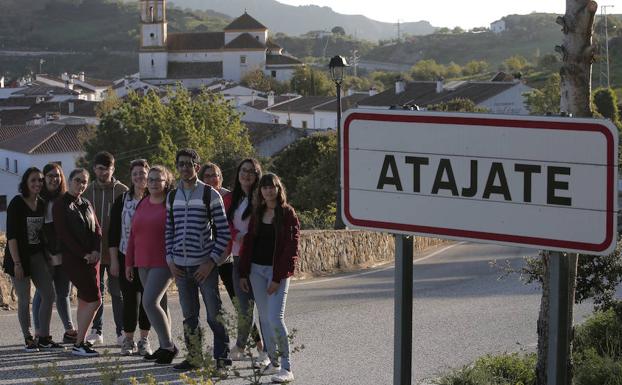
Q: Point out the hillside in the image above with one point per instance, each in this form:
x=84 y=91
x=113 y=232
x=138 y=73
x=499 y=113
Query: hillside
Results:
x=297 y=20
x=99 y=37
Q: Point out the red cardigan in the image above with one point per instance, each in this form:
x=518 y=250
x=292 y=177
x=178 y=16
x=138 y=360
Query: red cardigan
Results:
x=285 y=251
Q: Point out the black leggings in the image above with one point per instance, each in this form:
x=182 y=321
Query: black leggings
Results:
x=132 y=305
x=225 y=271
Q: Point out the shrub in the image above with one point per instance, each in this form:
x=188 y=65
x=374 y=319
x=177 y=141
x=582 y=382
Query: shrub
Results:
x=595 y=369
x=504 y=369
x=317 y=219
x=602 y=333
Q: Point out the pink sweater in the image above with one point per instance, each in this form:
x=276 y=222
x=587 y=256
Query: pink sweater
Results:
x=146 y=246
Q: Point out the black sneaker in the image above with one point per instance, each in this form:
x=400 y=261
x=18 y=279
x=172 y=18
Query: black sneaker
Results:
x=30 y=345
x=185 y=366
x=48 y=343
x=166 y=356
x=83 y=350
x=70 y=337
x=154 y=356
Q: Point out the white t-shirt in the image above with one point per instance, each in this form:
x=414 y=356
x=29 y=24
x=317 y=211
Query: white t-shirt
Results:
x=240 y=225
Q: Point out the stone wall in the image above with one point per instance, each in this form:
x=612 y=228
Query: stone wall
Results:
x=321 y=252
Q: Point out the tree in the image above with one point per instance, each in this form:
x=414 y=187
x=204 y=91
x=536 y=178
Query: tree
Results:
x=457 y=105
x=475 y=67
x=308 y=168
x=146 y=127
x=308 y=81
x=428 y=70
x=457 y=30
x=337 y=30
x=546 y=100
x=515 y=63
x=549 y=62
x=606 y=103
x=453 y=70
x=575 y=91
x=259 y=81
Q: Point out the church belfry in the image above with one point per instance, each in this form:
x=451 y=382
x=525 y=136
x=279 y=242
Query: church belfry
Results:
x=153 y=57
x=153 y=24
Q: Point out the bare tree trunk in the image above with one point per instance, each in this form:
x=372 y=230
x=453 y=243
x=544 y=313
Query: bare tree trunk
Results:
x=576 y=87
x=577 y=54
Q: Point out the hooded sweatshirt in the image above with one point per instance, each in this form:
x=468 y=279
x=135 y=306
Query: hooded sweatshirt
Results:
x=102 y=197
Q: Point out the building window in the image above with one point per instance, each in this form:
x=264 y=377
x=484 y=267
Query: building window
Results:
x=152 y=63
x=151 y=17
x=15 y=165
x=2 y=203
x=152 y=35
x=304 y=124
x=6 y=165
x=273 y=74
x=243 y=59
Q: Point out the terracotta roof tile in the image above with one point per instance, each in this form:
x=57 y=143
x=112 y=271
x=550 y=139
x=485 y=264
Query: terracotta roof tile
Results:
x=281 y=60
x=245 y=41
x=50 y=138
x=304 y=105
x=245 y=22
x=194 y=70
x=195 y=41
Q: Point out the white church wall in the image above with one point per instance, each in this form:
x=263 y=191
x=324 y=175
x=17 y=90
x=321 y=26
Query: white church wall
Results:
x=154 y=35
x=192 y=57
x=153 y=65
x=237 y=63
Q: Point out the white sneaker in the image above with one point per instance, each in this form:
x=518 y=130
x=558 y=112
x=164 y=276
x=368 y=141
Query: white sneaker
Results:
x=261 y=361
x=283 y=376
x=237 y=354
x=83 y=350
x=144 y=347
x=271 y=369
x=129 y=347
x=95 y=338
x=121 y=339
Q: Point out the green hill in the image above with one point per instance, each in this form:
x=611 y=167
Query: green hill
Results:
x=104 y=34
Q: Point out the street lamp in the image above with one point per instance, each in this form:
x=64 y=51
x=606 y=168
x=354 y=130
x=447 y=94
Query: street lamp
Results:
x=337 y=67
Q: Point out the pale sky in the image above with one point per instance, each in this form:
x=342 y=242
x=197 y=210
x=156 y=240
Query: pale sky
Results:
x=441 y=13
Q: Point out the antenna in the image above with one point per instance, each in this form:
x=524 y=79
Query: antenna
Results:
x=399 y=32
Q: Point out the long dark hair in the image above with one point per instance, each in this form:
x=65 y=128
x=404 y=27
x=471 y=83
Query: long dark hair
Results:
x=270 y=179
x=137 y=163
x=62 y=186
x=23 y=184
x=238 y=193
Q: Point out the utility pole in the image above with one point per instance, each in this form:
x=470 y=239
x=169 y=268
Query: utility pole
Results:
x=399 y=32
x=603 y=13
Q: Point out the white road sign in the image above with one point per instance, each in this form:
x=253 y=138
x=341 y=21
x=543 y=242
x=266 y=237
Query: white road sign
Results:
x=544 y=182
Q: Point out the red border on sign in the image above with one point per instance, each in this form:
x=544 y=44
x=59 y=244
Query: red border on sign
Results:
x=480 y=121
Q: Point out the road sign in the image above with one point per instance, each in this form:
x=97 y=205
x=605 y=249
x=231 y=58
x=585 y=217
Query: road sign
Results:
x=542 y=182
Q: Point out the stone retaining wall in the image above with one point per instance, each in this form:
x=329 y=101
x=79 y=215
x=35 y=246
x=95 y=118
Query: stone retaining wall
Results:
x=321 y=252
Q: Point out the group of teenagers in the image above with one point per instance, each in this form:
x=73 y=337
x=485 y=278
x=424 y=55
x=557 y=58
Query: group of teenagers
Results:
x=69 y=231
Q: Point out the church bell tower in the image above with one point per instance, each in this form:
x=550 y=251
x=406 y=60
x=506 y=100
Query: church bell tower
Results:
x=153 y=57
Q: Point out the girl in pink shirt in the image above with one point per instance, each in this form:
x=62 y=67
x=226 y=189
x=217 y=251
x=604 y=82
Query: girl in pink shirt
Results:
x=146 y=251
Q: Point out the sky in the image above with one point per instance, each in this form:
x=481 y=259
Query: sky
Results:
x=441 y=13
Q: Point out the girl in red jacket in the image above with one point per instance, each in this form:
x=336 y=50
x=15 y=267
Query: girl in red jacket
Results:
x=268 y=260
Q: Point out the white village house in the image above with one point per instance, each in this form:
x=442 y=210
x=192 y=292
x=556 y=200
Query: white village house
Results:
x=36 y=145
x=197 y=58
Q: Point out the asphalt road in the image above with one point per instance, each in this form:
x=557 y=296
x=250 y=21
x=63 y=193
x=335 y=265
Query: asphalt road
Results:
x=461 y=311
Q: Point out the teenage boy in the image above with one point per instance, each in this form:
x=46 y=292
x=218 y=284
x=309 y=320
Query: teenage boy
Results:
x=197 y=234
x=102 y=192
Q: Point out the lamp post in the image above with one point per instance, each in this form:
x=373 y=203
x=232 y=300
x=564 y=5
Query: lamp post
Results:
x=337 y=66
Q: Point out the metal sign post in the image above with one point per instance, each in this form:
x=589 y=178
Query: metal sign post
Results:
x=562 y=270
x=403 y=335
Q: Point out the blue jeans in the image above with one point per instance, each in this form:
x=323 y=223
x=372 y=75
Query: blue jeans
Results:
x=62 y=286
x=188 y=289
x=271 y=313
x=114 y=288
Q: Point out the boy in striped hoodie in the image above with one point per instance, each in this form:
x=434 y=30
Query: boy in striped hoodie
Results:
x=196 y=238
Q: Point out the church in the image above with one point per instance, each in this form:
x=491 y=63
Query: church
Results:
x=200 y=58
